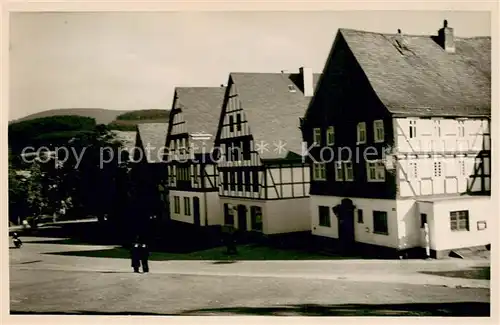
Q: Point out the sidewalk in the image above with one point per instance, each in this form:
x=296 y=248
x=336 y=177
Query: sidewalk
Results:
x=386 y=271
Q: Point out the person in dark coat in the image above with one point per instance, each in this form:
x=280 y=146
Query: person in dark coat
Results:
x=144 y=256
x=135 y=254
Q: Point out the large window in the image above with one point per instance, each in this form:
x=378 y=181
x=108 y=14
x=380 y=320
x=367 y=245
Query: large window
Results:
x=228 y=215
x=324 y=216
x=376 y=171
x=459 y=220
x=187 y=206
x=348 y=171
x=361 y=130
x=177 y=204
x=319 y=172
x=378 y=131
x=256 y=215
x=339 y=175
x=380 y=222
x=330 y=135
x=317 y=136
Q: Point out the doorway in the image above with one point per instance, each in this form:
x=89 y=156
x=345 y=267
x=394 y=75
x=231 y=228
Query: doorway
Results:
x=242 y=217
x=196 y=211
x=345 y=217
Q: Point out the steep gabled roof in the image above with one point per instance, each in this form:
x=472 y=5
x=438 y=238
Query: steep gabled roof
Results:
x=421 y=78
x=201 y=108
x=272 y=110
x=154 y=135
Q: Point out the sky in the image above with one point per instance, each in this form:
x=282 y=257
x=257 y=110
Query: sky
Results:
x=134 y=60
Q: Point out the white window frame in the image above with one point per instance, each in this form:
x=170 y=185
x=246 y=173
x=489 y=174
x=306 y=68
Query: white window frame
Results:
x=317 y=136
x=177 y=205
x=339 y=173
x=378 y=131
x=361 y=130
x=330 y=136
x=378 y=168
x=319 y=171
x=348 y=171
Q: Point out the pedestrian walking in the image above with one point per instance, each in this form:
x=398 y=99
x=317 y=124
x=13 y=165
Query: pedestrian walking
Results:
x=135 y=254
x=144 y=255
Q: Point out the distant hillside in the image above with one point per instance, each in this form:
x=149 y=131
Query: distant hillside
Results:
x=129 y=120
x=101 y=116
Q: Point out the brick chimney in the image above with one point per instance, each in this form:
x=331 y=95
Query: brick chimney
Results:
x=307 y=81
x=446 y=38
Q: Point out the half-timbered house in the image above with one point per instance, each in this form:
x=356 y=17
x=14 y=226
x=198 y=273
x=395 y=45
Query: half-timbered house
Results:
x=399 y=131
x=263 y=181
x=150 y=171
x=192 y=168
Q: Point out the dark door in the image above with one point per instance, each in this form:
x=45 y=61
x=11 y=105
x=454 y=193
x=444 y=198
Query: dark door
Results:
x=242 y=217
x=345 y=216
x=196 y=211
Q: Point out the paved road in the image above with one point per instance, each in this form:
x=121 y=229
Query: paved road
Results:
x=65 y=284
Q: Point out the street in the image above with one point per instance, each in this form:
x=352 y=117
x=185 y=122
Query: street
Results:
x=56 y=284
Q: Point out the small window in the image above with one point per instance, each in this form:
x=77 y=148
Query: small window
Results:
x=240 y=180
x=459 y=220
x=339 y=175
x=378 y=131
x=232 y=181
x=330 y=136
x=317 y=136
x=461 y=129
x=247 y=181
x=319 y=172
x=256 y=216
x=225 y=181
x=255 y=180
x=413 y=129
x=231 y=123
x=360 y=216
x=423 y=220
x=238 y=122
x=228 y=215
x=177 y=204
x=380 y=222
x=376 y=171
x=187 y=206
x=437 y=128
x=324 y=216
x=348 y=171
x=438 y=169
x=462 y=168
x=413 y=169
x=361 y=132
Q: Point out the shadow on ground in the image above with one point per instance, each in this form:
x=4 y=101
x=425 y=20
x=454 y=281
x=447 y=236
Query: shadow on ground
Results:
x=476 y=309
x=480 y=273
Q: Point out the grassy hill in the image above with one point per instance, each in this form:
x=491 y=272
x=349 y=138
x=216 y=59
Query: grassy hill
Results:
x=101 y=116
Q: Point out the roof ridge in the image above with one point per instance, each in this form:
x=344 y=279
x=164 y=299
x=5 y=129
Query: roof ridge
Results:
x=410 y=35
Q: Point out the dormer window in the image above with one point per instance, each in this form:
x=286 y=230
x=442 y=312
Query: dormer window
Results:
x=291 y=88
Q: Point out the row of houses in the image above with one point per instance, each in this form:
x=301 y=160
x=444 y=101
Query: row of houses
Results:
x=387 y=149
